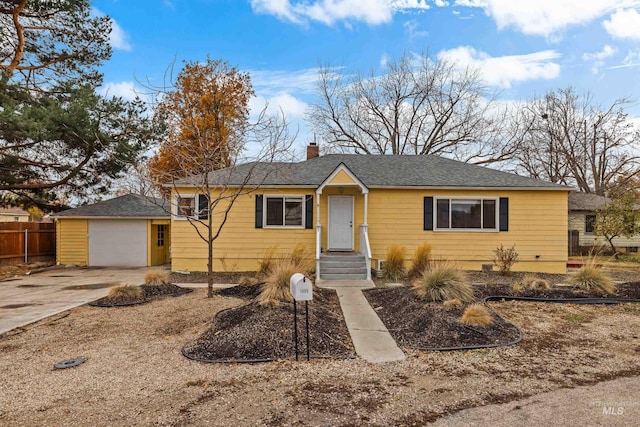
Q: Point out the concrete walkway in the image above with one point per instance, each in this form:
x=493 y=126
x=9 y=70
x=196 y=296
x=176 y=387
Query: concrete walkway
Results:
x=28 y=299
x=370 y=337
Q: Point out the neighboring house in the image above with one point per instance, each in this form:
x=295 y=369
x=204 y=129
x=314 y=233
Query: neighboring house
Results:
x=128 y=231
x=13 y=215
x=364 y=203
x=582 y=216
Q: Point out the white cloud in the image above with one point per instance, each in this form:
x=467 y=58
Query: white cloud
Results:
x=126 y=90
x=545 y=17
x=273 y=82
x=599 y=57
x=280 y=103
x=624 y=24
x=384 y=60
x=330 y=11
x=631 y=60
x=411 y=27
x=503 y=71
x=118 y=38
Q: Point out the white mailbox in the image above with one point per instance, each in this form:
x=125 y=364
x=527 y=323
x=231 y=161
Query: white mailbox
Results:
x=301 y=287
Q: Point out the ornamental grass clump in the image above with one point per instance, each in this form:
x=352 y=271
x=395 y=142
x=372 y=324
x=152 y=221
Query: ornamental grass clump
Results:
x=264 y=265
x=443 y=282
x=477 y=315
x=393 y=267
x=276 y=286
x=421 y=260
x=156 y=278
x=592 y=279
x=125 y=293
x=531 y=281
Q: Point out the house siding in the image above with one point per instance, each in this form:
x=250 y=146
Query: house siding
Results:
x=240 y=245
x=577 y=222
x=72 y=241
x=537 y=226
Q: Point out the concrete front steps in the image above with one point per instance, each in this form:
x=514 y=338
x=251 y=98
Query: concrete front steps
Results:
x=343 y=266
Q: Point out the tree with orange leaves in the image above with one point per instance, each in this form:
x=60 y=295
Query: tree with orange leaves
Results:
x=207 y=117
x=208 y=127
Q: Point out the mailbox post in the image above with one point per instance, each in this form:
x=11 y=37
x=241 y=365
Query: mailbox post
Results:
x=302 y=290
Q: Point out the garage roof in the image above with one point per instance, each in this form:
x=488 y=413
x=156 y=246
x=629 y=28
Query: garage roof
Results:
x=127 y=206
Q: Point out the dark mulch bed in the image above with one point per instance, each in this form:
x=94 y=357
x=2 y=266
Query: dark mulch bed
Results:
x=150 y=292
x=253 y=333
x=201 y=277
x=246 y=292
x=623 y=291
x=414 y=323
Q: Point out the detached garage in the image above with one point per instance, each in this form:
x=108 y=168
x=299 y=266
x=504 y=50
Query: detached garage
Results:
x=128 y=231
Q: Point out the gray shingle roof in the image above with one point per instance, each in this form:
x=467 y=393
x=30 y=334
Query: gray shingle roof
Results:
x=377 y=171
x=127 y=206
x=585 y=201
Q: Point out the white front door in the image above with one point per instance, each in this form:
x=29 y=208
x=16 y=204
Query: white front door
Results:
x=340 y=223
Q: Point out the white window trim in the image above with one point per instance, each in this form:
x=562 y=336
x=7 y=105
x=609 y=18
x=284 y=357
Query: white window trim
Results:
x=466 y=230
x=284 y=196
x=176 y=207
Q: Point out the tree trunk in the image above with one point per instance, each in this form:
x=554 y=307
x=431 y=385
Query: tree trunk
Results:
x=613 y=248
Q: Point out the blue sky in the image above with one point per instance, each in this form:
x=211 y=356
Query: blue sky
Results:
x=522 y=47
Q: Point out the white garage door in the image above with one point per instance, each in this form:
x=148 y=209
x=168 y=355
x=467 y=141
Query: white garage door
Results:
x=117 y=243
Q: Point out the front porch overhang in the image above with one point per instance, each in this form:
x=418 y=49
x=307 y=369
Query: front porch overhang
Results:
x=342 y=177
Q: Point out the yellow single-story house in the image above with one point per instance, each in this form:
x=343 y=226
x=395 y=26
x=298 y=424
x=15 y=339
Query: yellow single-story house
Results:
x=347 y=209
x=127 y=231
x=582 y=219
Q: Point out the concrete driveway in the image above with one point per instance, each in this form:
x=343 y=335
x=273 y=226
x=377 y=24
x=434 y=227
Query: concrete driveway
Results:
x=27 y=299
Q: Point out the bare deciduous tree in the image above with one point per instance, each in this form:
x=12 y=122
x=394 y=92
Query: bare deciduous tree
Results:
x=415 y=106
x=213 y=147
x=572 y=140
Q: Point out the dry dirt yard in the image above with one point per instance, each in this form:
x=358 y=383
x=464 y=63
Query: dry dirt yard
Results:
x=136 y=375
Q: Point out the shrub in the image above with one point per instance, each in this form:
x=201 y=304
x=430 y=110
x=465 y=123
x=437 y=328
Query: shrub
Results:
x=156 y=278
x=591 y=278
x=421 y=260
x=298 y=253
x=264 y=265
x=477 y=315
x=276 y=286
x=531 y=281
x=451 y=303
x=442 y=283
x=505 y=258
x=393 y=267
x=126 y=293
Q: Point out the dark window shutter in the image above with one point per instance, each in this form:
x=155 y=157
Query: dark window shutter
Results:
x=203 y=206
x=258 y=210
x=308 y=212
x=504 y=214
x=428 y=213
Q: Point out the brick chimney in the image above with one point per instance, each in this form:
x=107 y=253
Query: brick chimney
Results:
x=312 y=150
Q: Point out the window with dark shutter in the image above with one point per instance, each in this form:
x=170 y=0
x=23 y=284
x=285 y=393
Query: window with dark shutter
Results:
x=504 y=214
x=428 y=213
x=308 y=212
x=203 y=206
x=258 y=210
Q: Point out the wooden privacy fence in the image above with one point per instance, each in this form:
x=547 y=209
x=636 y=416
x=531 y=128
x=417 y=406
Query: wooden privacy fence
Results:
x=22 y=242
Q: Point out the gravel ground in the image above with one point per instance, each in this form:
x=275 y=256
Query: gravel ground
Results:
x=135 y=374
